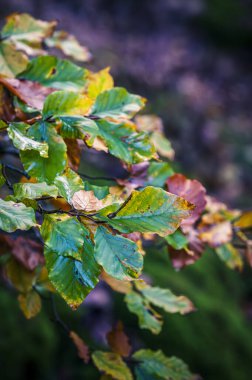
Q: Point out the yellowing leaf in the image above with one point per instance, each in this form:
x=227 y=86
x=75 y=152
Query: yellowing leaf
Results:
x=150 y=210
x=230 y=255
x=66 y=103
x=245 y=220
x=112 y=364
x=69 y=46
x=99 y=82
x=30 y=304
x=12 y=61
x=16 y=216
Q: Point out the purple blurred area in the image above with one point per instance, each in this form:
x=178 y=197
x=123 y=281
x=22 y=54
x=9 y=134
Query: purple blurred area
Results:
x=191 y=59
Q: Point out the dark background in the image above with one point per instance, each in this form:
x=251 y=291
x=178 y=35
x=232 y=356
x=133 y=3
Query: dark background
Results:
x=192 y=60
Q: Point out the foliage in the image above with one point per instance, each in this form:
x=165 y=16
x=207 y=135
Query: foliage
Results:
x=51 y=109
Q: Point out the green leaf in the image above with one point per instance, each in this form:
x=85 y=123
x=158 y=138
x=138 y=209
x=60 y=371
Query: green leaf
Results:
x=64 y=235
x=62 y=103
x=165 y=299
x=117 y=103
x=158 y=172
x=124 y=142
x=157 y=364
x=12 y=61
x=54 y=72
x=30 y=304
x=18 y=133
x=16 y=216
x=68 y=184
x=73 y=279
x=177 y=240
x=45 y=169
x=78 y=127
x=112 y=364
x=149 y=210
x=100 y=192
x=147 y=317
x=24 y=28
x=230 y=255
x=118 y=256
x=22 y=279
x=2 y=179
x=34 y=190
x=69 y=45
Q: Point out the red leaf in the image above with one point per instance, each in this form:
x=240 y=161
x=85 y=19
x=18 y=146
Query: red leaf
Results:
x=191 y=190
x=29 y=92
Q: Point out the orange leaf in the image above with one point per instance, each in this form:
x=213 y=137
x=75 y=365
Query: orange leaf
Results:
x=118 y=340
x=83 y=350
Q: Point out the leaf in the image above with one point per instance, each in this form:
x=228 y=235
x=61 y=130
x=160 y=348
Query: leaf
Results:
x=99 y=82
x=69 y=46
x=215 y=231
x=193 y=192
x=63 y=103
x=19 y=134
x=158 y=172
x=124 y=142
x=78 y=127
x=150 y=210
x=34 y=190
x=73 y=279
x=154 y=125
x=30 y=304
x=54 y=72
x=165 y=299
x=230 y=255
x=117 y=103
x=73 y=153
x=27 y=252
x=24 y=28
x=45 y=169
x=112 y=364
x=64 y=235
x=68 y=183
x=83 y=350
x=12 y=61
x=118 y=341
x=16 y=216
x=123 y=287
x=22 y=279
x=157 y=364
x=2 y=179
x=31 y=93
x=147 y=317
x=245 y=220
x=100 y=192
x=177 y=240
x=118 y=256
x=87 y=201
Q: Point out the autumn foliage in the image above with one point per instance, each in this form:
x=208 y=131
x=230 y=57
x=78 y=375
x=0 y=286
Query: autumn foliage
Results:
x=78 y=234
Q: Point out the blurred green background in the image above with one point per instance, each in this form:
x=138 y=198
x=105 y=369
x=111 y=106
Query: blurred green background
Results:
x=192 y=60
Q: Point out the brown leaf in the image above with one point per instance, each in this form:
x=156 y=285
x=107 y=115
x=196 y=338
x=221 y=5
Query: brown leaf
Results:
x=215 y=233
x=87 y=201
x=28 y=252
x=73 y=153
x=118 y=340
x=123 y=287
x=137 y=176
x=7 y=112
x=181 y=258
x=193 y=192
x=29 y=92
x=83 y=350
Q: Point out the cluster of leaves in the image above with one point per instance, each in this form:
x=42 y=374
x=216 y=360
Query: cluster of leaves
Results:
x=51 y=109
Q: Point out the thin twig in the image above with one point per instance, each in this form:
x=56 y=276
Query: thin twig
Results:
x=97 y=178
x=57 y=318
